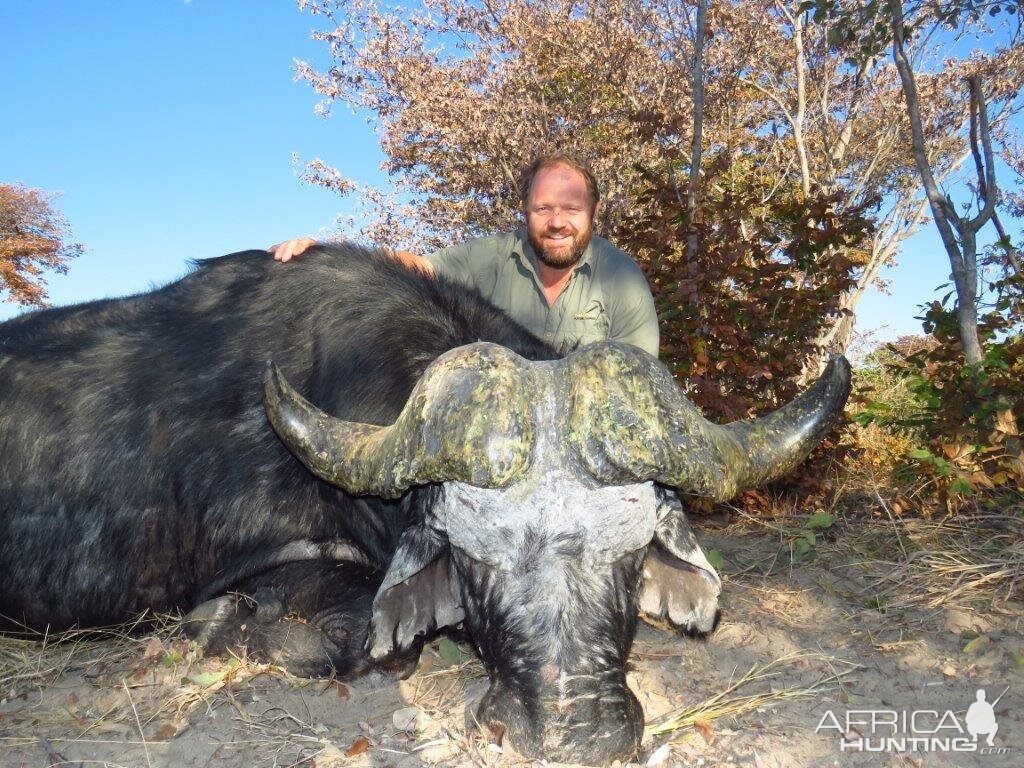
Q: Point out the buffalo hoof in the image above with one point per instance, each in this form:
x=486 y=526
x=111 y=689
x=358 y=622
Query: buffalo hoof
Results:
x=258 y=628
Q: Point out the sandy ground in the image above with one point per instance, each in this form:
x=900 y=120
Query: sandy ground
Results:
x=868 y=619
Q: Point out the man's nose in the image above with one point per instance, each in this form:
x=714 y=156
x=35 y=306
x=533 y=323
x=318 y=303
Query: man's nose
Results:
x=557 y=220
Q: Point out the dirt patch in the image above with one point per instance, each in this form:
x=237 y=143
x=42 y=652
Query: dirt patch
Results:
x=897 y=616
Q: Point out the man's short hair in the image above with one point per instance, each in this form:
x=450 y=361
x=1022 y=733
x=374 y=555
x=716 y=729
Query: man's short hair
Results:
x=553 y=160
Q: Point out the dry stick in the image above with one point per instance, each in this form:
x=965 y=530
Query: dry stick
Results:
x=138 y=723
x=896 y=530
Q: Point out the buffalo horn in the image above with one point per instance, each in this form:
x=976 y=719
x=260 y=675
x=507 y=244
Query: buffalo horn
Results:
x=774 y=444
x=630 y=422
x=467 y=419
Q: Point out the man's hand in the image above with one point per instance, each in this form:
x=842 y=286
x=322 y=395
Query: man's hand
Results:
x=413 y=261
x=290 y=248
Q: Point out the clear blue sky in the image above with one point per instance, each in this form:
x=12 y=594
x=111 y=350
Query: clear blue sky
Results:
x=169 y=127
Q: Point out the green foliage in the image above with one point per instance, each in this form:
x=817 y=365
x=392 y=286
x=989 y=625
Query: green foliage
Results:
x=966 y=419
x=451 y=652
x=716 y=558
x=803 y=544
x=866 y=27
x=171 y=658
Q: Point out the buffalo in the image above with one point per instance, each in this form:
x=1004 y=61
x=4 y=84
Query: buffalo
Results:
x=451 y=469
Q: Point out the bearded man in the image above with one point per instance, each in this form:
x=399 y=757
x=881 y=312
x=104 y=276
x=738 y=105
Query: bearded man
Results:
x=553 y=276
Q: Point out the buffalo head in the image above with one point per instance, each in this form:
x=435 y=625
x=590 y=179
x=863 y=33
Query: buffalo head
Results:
x=551 y=524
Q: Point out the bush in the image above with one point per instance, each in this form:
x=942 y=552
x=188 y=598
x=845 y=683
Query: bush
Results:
x=963 y=421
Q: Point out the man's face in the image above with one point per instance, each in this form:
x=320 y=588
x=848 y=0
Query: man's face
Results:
x=559 y=214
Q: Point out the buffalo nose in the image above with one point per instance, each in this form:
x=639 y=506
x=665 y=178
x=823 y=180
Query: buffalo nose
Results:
x=593 y=730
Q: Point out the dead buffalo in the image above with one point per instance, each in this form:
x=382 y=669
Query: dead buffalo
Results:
x=472 y=476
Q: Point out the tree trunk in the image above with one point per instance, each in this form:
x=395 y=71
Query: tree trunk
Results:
x=962 y=254
x=692 y=240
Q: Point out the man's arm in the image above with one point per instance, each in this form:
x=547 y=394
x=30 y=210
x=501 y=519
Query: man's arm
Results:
x=454 y=262
x=634 y=319
x=290 y=249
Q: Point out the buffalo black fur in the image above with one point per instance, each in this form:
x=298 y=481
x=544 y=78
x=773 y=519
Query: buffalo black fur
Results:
x=138 y=470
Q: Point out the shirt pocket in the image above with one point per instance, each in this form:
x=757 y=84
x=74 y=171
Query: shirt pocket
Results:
x=591 y=323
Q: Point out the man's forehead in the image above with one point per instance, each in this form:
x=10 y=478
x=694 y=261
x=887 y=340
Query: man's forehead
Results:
x=558 y=180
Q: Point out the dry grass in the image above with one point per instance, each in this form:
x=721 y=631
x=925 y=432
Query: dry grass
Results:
x=146 y=680
x=735 y=701
x=146 y=684
x=968 y=561
x=30 y=659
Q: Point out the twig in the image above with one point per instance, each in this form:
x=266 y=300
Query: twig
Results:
x=138 y=723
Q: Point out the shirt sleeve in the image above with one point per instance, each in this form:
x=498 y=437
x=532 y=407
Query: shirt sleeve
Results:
x=634 y=319
x=454 y=263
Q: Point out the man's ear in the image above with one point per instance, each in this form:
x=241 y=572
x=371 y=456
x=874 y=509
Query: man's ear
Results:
x=417 y=596
x=680 y=587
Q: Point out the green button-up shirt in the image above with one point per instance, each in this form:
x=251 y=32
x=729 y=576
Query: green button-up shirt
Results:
x=607 y=296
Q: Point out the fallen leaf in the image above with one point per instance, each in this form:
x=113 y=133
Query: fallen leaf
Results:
x=976 y=644
x=705 y=730
x=408 y=719
x=154 y=649
x=165 y=732
x=341 y=689
x=359 y=746
x=328 y=757
x=1006 y=423
x=497 y=733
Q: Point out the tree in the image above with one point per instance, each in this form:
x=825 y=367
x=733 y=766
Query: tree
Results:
x=973 y=88
x=465 y=92
x=34 y=237
x=841 y=125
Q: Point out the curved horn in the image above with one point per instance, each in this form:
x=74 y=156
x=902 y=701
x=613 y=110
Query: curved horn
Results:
x=468 y=418
x=630 y=422
x=776 y=443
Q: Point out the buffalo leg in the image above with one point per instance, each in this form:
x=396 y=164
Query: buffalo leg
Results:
x=310 y=617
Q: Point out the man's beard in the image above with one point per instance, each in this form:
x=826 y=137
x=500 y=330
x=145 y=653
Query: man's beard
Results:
x=561 y=259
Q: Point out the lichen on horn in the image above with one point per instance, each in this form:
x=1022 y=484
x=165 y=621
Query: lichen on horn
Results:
x=630 y=422
x=469 y=418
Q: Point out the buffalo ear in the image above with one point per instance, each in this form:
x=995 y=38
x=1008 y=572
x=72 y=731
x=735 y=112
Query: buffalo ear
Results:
x=680 y=587
x=417 y=596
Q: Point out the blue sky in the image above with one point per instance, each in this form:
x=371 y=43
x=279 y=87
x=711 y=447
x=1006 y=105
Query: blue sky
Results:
x=169 y=128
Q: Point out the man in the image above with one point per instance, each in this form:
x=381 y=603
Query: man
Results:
x=554 y=277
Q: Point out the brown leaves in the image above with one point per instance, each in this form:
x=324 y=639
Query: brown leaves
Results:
x=705 y=729
x=33 y=238
x=358 y=747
